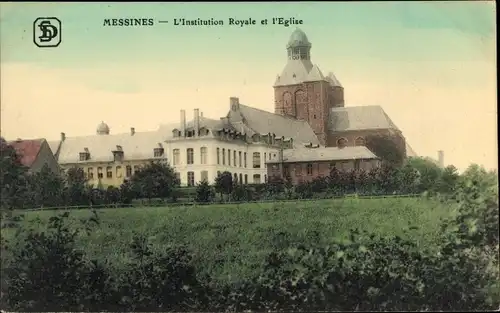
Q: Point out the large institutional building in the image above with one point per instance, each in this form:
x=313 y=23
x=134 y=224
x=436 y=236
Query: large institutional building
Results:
x=310 y=130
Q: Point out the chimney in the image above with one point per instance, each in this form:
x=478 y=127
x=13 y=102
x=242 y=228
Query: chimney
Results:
x=63 y=136
x=196 y=122
x=132 y=131
x=441 y=158
x=183 y=123
x=234 y=103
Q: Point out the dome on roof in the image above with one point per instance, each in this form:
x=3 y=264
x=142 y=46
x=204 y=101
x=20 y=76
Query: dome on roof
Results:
x=103 y=129
x=298 y=39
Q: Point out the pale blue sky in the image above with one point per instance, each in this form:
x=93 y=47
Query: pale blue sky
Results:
x=431 y=65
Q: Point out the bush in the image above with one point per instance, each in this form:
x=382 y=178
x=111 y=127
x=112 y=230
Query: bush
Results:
x=204 y=193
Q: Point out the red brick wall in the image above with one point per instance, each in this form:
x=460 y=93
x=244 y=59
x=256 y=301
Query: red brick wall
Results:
x=351 y=137
x=298 y=172
x=308 y=101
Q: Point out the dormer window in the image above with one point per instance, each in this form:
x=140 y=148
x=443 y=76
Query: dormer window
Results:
x=158 y=152
x=118 y=154
x=85 y=155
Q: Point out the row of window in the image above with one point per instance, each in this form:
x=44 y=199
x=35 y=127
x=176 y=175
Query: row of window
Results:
x=242 y=179
x=237 y=155
x=309 y=167
x=118 y=154
x=118 y=173
x=231 y=157
x=360 y=141
x=190 y=156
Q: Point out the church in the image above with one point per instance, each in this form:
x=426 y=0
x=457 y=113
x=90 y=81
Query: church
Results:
x=310 y=131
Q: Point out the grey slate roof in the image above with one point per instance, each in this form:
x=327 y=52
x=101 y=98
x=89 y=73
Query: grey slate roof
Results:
x=324 y=154
x=264 y=122
x=298 y=39
x=332 y=79
x=54 y=145
x=295 y=72
x=409 y=151
x=300 y=71
x=359 y=118
x=139 y=146
x=212 y=124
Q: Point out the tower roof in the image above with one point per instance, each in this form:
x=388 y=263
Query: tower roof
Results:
x=298 y=39
x=102 y=129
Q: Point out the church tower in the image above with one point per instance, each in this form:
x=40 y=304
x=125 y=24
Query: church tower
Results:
x=302 y=91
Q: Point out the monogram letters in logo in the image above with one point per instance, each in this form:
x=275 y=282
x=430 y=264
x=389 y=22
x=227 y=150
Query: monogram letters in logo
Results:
x=47 y=32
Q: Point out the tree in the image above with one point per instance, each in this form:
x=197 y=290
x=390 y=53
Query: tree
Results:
x=47 y=188
x=13 y=177
x=449 y=180
x=204 y=192
x=76 y=187
x=386 y=148
x=429 y=173
x=155 y=180
x=126 y=193
x=224 y=183
x=112 y=195
x=409 y=179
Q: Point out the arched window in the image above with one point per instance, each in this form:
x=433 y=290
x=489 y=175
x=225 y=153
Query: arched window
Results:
x=246 y=179
x=204 y=176
x=256 y=179
x=241 y=179
x=218 y=155
x=203 y=155
x=190 y=179
x=177 y=156
x=223 y=156
x=360 y=141
x=190 y=155
x=109 y=172
x=99 y=172
x=309 y=169
x=256 y=160
x=118 y=171
x=128 y=171
x=235 y=179
x=341 y=142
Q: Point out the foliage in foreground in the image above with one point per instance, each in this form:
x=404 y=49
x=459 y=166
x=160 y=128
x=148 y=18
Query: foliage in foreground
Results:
x=364 y=273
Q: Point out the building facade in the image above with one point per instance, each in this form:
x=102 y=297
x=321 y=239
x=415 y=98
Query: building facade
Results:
x=106 y=159
x=309 y=111
x=306 y=164
x=301 y=91
x=35 y=154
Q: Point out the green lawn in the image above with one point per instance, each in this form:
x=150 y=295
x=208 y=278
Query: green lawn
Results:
x=229 y=240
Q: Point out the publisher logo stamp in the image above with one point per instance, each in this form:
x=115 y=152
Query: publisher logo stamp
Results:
x=47 y=32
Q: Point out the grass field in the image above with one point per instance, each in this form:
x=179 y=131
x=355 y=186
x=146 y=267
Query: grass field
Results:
x=230 y=240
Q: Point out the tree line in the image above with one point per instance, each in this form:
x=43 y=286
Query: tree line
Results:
x=157 y=180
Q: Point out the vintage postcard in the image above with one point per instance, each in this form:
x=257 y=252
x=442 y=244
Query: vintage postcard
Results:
x=230 y=157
